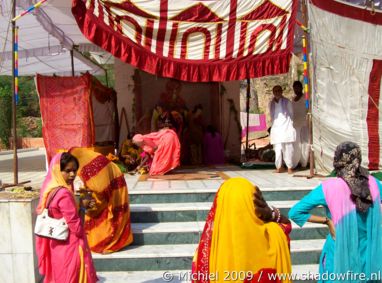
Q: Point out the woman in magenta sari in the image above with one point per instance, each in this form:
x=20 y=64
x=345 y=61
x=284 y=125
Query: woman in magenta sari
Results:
x=164 y=147
x=213 y=148
x=68 y=261
x=353 y=207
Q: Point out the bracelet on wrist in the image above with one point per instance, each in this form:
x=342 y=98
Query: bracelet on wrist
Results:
x=326 y=221
x=277 y=214
x=273 y=218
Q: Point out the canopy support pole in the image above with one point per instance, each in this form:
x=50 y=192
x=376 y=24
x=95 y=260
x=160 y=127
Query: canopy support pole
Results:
x=72 y=61
x=247 y=109
x=14 y=107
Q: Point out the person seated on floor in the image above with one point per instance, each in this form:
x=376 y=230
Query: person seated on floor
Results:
x=130 y=154
x=164 y=148
x=213 y=148
x=107 y=224
x=242 y=237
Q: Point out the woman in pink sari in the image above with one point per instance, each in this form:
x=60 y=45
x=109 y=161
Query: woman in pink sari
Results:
x=68 y=261
x=164 y=147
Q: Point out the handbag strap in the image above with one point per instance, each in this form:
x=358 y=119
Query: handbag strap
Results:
x=51 y=196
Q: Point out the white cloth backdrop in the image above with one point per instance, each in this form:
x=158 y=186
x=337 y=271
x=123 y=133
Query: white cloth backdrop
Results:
x=343 y=50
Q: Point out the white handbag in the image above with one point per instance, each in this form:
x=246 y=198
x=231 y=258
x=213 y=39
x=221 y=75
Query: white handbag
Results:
x=49 y=227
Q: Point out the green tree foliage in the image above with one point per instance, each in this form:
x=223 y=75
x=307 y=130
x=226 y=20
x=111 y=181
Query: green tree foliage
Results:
x=28 y=106
x=6 y=111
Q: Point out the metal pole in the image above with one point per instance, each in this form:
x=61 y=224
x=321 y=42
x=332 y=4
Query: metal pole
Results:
x=248 y=97
x=72 y=60
x=14 y=108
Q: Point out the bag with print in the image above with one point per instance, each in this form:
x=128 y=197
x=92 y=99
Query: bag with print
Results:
x=49 y=227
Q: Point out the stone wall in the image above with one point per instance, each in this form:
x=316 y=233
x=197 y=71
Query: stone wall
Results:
x=18 y=261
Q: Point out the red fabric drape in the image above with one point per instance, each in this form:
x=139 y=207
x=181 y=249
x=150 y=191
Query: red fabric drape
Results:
x=66 y=112
x=196 y=41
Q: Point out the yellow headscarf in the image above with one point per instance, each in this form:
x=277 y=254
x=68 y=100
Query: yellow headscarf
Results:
x=241 y=244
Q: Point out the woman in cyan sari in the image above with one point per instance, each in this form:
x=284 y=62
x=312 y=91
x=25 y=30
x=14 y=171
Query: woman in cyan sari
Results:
x=352 y=201
x=243 y=239
x=108 y=224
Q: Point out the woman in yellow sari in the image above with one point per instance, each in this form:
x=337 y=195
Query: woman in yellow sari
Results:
x=108 y=224
x=236 y=244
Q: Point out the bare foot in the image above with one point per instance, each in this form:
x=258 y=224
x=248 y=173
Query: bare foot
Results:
x=290 y=171
x=279 y=170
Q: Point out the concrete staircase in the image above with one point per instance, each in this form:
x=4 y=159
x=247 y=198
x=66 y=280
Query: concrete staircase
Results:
x=168 y=218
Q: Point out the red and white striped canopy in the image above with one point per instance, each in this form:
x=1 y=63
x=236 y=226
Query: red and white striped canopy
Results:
x=210 y=40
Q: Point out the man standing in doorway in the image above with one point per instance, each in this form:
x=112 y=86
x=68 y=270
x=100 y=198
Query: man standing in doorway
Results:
x=283 y=134
x=301 y=146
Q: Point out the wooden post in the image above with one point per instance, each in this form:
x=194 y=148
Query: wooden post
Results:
x=247 y=109
x=72 y=61
x=307 y=85
x=14 y=90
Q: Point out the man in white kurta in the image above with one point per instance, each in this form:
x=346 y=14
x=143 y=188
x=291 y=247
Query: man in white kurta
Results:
x=283 y=134
x=301 y=145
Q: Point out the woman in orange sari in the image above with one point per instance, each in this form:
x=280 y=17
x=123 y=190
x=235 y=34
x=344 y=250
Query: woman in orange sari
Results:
x=108 y=224
x=243 y=239
x=164 y=147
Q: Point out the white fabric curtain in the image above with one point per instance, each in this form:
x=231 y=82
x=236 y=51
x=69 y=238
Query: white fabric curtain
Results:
x=343 y=51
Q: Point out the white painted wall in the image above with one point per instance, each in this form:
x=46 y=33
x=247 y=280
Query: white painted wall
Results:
x=124 y=86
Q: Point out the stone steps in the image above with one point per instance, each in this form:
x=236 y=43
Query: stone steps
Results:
x=187 y=211
x=189 y=232
x=299 y=271
x=179 y=256
x=187 y=195
x=168 y=218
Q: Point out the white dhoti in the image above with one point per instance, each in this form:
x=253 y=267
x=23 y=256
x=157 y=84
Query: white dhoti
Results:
x=284 y=151
x=301 y=146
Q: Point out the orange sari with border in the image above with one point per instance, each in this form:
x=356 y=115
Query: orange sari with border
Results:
x=108 y=225
x=236 y=245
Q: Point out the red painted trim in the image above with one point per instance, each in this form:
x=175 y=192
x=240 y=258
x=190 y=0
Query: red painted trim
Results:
x=372 y=118
x=162 y=26
x=256 y=32
x=138 y=29
x=207 y=43
x=231 y=29
x=243 y=38
x=174 y=33
x=149 y=33
x=348 y=11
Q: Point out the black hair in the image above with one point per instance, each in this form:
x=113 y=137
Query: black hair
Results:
x=211 y=129
x=197 y=106
x=66 y=158
x=297 y=83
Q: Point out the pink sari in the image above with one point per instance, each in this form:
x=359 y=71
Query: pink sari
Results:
x=67 y=261
x=164 y=145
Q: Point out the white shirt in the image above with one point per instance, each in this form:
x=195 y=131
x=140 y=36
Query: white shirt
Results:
x=282 y=130
x=299 y=113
